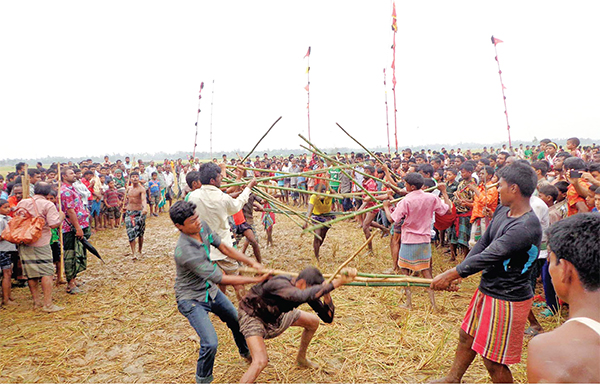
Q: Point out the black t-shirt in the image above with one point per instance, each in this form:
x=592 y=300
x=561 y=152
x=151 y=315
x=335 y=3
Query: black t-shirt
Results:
x=505 y=253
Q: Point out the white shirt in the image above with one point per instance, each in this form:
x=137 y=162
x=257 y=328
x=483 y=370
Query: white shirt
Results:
x=150 y=170
x=541 y=211
x=169 y=178
x=83 y=191
x=214 y=206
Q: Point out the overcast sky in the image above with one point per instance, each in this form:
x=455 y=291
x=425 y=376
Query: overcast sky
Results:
x=87 y=78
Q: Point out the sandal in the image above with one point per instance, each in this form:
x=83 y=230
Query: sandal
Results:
x=531 y=332
x=75 y=290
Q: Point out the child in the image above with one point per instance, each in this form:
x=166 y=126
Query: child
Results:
x=154 y=187
x=417 y=210
x=596 y=200
x=112 y=204
x=7 y=252
x=572 y=146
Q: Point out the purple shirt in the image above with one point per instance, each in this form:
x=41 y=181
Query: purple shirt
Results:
x=70 y=199
x=417 y=209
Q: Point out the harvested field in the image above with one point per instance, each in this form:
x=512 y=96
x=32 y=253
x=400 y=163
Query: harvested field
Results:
x=127 y=329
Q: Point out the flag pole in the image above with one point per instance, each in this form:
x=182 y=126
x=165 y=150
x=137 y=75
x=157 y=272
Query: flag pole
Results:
x=495 y=42
x=387 y=121
x=211 y=116
x=308 y=90
x=197 y=118
x=395 y=29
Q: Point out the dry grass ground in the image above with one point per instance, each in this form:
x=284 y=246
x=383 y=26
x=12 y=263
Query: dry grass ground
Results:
x=127 y=329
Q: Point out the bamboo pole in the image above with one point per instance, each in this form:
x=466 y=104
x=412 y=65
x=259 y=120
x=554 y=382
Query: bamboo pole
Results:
x=355 y=213
x=336 y=162
x=358 y=281
x=61 y=271
x=367 y=150
x=25 y=181
x=283 y=175
x=260 y=140
x=347 y=261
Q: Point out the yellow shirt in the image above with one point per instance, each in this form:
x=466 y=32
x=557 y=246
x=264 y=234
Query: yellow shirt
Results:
x=321 y=205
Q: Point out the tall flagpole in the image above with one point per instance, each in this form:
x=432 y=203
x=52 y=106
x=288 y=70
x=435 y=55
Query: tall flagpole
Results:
x=197 y=118
x=395 y=29
x=494 y=42
x=307 y=88
x=211 y=116
x=387 y=121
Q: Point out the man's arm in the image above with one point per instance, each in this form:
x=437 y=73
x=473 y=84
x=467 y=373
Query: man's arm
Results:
x=324 y=309
x=234 y=254
x=294 y=294
x=232 y=205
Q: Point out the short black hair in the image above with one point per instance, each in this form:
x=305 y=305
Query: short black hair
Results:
x=134 y=173
x=574 y=163
x=209 y=171
x=467 y=166
x=542 y=166
x=33 y=171
x=520 y=174
x=154 y=173
x=485 y=161
x=428 y=182
x=3 y=202
x=594 y=167
x=312 y=276
x=575 y=141
x=425 y=168
x=42 y=188
x=191 y=177
x=181 y=210
x=575 y=239
x=414 y=179
x=88 y=172
x=550 y=190
x=562 y=186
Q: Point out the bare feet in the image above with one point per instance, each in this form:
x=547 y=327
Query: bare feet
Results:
x=407 y=306
x=9 y=302
x=444 y=380
x=306 y=363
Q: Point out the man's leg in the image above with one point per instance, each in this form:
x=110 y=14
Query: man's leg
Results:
x=47 y=289
x=35 y=292
x=260 y=359
x=197 y=315
x=462 y=360
x=408 y=303
x=310 y=323
x=427 y=273
x=500 y=373
x=322 y=232
x=249 y=234
x=6 y=287
x=140 y=243
x=224 y=309
x=366 y=226
x=395 y=248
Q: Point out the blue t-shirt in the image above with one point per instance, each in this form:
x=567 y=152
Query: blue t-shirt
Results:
x=154 y=187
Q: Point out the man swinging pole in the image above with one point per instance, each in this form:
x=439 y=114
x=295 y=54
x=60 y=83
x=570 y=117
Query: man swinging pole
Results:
x=270 y=307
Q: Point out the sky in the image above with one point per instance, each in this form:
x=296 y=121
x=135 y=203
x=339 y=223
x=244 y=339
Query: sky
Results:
x=85 y=78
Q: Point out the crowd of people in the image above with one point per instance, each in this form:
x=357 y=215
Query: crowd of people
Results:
x=495 y=210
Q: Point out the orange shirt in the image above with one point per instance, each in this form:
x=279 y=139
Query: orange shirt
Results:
x=483 y=200
x=573 y=198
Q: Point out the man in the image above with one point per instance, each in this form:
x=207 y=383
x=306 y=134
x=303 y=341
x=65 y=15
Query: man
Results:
x=169 y=181
x=34 y=177
x=495 y=321
x=270 y=308
x=460 y=231
x=37 y=257
x=214 y=207
x=135 y=213
x=196 y=288
x=75 y=227
x=501 y=160
x=571 y=352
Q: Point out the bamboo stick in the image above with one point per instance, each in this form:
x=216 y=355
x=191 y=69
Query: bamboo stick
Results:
x=319 y=152
x=25 y=181
x=347 y=261
x=61 y=271
x=284 y=175
x=260 y=140
x=388 y=284
x=367 y=150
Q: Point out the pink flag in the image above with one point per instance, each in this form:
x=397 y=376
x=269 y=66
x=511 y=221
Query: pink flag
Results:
x=307 y=53
x=306 y=88
x=496 y=41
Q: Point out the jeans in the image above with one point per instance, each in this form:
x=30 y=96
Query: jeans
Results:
x=549 y=293
x=197 y=314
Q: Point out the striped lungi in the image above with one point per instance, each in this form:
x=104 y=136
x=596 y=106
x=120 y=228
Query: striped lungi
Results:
x=37 y=261
x=497 y=327
x=415 y=256
x=75 y=255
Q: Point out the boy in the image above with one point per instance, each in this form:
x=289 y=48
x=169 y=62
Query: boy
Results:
x=504 y=254
x=196 y=283
x=571 y=352
x=417 y=210
x=7 y=252
x=270 y=307
x=112 y=203
x=154 y=187
x=135 y=213
x=572 y=147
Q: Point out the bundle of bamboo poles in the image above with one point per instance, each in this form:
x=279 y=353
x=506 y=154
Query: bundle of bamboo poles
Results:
x=362 y=279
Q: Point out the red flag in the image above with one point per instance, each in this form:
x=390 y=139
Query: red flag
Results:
x=307 y=53
x=496 y=41
x=306 y=88
x=394 y=18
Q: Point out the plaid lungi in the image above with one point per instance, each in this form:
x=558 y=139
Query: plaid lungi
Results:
x=254 y=326
x=37 y=261
x=75 y=255
x=135 y=223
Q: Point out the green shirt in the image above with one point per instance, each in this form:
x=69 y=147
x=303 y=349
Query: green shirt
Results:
x=334 y=173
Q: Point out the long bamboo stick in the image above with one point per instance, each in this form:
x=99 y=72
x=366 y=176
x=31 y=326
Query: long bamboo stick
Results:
x=367 y=150
x=25 y=181
x=286 y=175
x=319 y=152
x=347 y=261
x=388 y=284
x=260 y=140
x=61 y=271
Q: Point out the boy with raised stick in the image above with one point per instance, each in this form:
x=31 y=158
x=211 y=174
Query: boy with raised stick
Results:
x=135 y=212
x=270 y=307
x=571 y=352
x=495 y=321
x=196 y=283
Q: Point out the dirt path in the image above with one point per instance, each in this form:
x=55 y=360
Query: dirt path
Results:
x=126 y=328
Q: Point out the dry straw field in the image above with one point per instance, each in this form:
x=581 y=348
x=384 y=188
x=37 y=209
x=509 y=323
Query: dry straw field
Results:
x=127 y=329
